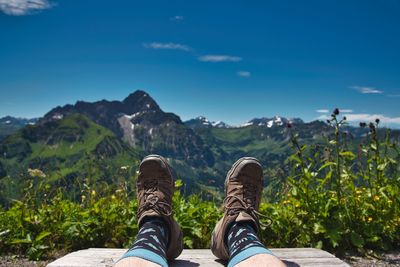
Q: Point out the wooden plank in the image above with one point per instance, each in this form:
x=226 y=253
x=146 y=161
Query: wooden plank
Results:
x=293 y=257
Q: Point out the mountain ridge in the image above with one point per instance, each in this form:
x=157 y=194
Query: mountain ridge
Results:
x=201 y=151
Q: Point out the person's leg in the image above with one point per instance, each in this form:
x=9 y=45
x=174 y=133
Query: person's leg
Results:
x=160 y=237
x=245 y=248
x=264 y=260
x=135 y=261
x=235 y=237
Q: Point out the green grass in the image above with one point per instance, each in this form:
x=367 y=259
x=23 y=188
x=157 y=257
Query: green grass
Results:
x=92 y=135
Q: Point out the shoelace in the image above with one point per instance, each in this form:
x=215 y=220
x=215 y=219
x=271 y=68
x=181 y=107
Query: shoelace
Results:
x=247 y=207
x=153 y=202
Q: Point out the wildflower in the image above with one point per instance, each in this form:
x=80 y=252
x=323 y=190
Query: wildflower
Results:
x=297 y=205
x=113 y=197
x=376 y=198
x=371 y=126
x=83 y=198
x=93 y=193
x=289 y=195
x=369 y=219
x=328 y=121
x=336 y=112
x=344 y=118
x=377 y=120
x=36 y=173
x=363 y=124
x=124 y=167
x=358 y=192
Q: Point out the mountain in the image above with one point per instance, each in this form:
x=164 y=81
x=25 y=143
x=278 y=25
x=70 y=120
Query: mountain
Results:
x=9 y=125
x=139 y=121
x=95 y=139
x=203 y=122
x=67 y=151
x=273 y=122
x=269 y=144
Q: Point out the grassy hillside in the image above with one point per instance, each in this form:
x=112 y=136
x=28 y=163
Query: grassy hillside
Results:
x=67 y=152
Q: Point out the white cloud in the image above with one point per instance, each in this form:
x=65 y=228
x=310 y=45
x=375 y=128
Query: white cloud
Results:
x=323 y=117
x=244 y=73
x=23 y=7
x=219 y=58
x=367 y=90
x=373 y=117
x=364 y=117
x=346 y=110
x=341 y=110
x=170 y=46
x=177 y=18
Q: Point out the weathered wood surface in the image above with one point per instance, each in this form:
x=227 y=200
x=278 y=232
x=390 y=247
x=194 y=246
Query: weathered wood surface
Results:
x=293 y=257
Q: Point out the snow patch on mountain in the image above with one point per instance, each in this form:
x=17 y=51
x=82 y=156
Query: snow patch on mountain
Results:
x=203 y=122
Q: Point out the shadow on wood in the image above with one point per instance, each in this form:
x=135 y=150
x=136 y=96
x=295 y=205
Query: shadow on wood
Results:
x=293 y=257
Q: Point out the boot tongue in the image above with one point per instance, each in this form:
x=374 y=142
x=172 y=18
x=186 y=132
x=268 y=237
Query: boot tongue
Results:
x=243 y=216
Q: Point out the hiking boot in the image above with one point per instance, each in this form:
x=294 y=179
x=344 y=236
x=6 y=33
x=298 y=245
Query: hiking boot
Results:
x=155 y=188
x=243 y=187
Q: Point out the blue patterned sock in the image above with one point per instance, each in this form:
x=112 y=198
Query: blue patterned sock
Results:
x=151 y=242
x=243 y=243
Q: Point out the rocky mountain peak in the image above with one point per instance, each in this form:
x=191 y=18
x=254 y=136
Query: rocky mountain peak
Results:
x=140 y=101
x=271 y=122
x=9 y=120
x=203 y=122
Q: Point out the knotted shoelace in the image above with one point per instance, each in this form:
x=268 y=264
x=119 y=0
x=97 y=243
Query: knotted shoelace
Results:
x=152 y=201
x=247 y=206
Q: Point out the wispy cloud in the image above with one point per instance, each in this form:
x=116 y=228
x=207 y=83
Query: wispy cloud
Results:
x=346 y=110
x=23 y=7
x=245 y=74
x=170 y=46
x=367 y=90
x=341 y=110
x=219 y=58
x=394 y=95
x=365 y=117
x=177 y=18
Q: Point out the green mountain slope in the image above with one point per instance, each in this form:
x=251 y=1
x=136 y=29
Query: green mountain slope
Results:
x=70 y=152
x=269 y=145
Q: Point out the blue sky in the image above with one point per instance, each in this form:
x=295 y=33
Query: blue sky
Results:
x=226 y=60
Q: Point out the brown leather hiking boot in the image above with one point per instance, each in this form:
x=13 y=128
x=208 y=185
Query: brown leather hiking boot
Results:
x=243 y=187
x=155 y=188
